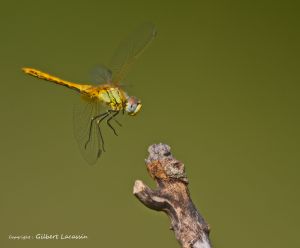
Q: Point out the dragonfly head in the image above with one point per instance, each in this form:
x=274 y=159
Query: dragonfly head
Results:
x=133 y=105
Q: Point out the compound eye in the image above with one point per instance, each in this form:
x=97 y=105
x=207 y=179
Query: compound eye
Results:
x=133 y=107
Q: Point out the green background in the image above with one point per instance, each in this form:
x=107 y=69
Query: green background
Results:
x=220 y=85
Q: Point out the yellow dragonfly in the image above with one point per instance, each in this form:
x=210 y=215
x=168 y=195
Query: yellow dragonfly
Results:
x=104 y=101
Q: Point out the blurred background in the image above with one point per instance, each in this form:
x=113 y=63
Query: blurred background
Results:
x=220 y=85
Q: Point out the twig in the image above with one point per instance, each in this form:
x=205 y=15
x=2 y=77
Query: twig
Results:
x=172 y=197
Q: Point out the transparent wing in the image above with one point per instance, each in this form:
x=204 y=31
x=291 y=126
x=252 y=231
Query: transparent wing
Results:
x=101 y=74
x=87 y=133
x=130 y=49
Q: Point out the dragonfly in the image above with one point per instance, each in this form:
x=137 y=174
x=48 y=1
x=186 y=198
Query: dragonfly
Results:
x=104 y=99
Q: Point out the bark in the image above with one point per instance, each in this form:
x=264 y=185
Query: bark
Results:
x=172 y=197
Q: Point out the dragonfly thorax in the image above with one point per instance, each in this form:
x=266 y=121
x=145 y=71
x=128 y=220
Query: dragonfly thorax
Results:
x=112 y=96
x=118 y=100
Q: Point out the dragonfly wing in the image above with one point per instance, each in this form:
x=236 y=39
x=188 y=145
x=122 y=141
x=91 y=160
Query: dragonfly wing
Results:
x=101 y=74
x=88 y=134
x=130 y=49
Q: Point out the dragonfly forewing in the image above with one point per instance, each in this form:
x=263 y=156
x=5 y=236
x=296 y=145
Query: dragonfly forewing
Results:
x=130 y=49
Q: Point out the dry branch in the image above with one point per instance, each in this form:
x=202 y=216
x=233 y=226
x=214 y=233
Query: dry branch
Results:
x=172 y=197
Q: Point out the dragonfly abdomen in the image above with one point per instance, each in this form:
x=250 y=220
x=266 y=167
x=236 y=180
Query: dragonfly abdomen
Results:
x=45 y=76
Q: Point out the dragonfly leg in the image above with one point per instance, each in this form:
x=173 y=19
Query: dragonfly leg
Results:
x=115 y=113
x=119 y=123
x=103 y=115
x=99 y=129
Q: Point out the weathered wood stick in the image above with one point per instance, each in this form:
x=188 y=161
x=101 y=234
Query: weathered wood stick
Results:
x=172 y=197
